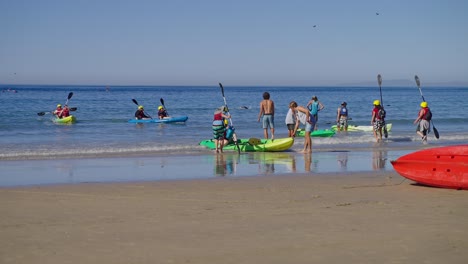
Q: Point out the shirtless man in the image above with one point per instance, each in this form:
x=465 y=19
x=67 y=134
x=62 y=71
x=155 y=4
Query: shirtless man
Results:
x=267 y=110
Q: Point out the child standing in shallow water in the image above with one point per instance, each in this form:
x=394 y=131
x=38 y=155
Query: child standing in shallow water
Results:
x=291 y=121
x=267 y=110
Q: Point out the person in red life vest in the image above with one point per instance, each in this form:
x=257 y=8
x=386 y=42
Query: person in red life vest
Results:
x=423 y=120
x=65 y=111
x=140 y=113
x=58 y=111
x=162 y=113
x=377 y=120
x=219 y=128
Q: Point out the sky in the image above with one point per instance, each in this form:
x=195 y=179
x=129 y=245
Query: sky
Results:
x=241 y=42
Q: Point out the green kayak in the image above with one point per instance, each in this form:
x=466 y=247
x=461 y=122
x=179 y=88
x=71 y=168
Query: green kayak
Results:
x=316 y=133
x=259 y=145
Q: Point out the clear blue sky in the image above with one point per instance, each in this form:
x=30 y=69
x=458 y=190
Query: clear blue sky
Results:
x=236 y=42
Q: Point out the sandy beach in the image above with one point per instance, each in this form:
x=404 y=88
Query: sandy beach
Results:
x=371 y=217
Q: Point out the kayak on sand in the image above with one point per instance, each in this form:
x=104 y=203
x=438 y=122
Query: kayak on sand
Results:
x=445 y=167
x=265 y=145
x=172 y=119
x=362 y=128
x=65 y=120
x=316 y=133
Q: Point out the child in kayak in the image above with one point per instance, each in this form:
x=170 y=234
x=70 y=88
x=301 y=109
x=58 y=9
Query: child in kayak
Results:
x=162 y=113
x=140 y=113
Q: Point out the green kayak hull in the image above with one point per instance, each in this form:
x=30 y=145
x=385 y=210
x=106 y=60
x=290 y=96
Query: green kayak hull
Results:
x=265 y=145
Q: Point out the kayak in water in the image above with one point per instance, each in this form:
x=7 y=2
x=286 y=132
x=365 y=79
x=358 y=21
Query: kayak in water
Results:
x=172 y=119
x=316 y=133
x=254 y=145
x=65 y=120
x=362 y=128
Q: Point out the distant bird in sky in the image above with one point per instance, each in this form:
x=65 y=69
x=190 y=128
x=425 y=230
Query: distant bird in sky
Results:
x=376 y=13
x=315 y=25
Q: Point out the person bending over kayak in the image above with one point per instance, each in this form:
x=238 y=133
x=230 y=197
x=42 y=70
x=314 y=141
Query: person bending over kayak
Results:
x=162 y=113
x=303 y=116
x=219 y=128
x=140 y=113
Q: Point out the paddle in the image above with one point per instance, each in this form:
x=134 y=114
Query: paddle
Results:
x=43 y=113
x=234 y=135
x=418 y=83
x=162 y=102
x=135 y=102
x=379 y=80
x=70 y=94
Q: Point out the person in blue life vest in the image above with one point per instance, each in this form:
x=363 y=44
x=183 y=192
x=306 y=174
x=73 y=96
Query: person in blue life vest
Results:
x=140 y=113
x=377 y=120
x=314 y=107
x=423 y=120
x=162 y=113
x=220 y=122
x=342 y=117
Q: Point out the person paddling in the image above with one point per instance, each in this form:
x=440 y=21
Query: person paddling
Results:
x=162 y=113
x=58 y=111
x=140 y=113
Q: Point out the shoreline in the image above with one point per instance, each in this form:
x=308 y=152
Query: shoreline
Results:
x=302 y=218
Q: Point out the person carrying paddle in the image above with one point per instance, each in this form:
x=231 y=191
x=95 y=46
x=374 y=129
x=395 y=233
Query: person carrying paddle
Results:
x=377 y=120
x=314 y=107
x=58 y=111
x=140 y=113
x=267 y=110
x=162 y=113
x=342 y=118
x=219 y=128
x=423 y=120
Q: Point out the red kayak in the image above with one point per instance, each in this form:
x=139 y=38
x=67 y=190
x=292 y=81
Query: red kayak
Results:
x=445 y=167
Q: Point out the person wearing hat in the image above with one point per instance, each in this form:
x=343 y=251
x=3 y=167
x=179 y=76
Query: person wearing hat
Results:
x=342 y=118
x=162 y=113
x=377 y=120
x=220 y=121
x=140 y=113
x=58 y=111
x=314 y=107
x=423 y=120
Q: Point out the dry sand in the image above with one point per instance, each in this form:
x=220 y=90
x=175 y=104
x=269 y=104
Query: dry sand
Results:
x=337 y=218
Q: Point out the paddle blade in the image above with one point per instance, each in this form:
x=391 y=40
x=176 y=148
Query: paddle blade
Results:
x=379 y=80
x=41 y=113
x=436 y=133
x=73 y=108
x=222 y=88
x=416 y=78
x=135 y=101
x=162 y=102
x=70 y=95
x=385 y=132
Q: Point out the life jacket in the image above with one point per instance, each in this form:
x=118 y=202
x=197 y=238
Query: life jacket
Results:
x=314 y=108
x=427 y=114
x=218 y=119
x=343 y=111
x=65 y=112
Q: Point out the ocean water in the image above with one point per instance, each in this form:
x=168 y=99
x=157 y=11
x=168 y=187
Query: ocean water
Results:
x=102 y=128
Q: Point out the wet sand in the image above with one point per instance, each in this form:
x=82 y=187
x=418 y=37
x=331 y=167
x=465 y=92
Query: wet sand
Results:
x=368 y=217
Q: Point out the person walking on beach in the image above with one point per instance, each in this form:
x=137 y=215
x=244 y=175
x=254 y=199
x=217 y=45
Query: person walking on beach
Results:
x=267 y=110
x=314 y=107
x=303 y=116
x=219 y=128
x=342 y=118
x=291 y=121
x=377 y=120
x=423 y=120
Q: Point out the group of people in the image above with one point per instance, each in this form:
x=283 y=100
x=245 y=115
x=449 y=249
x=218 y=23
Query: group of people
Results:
x=308 y=116
x=141 y=114
x=61 y=112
